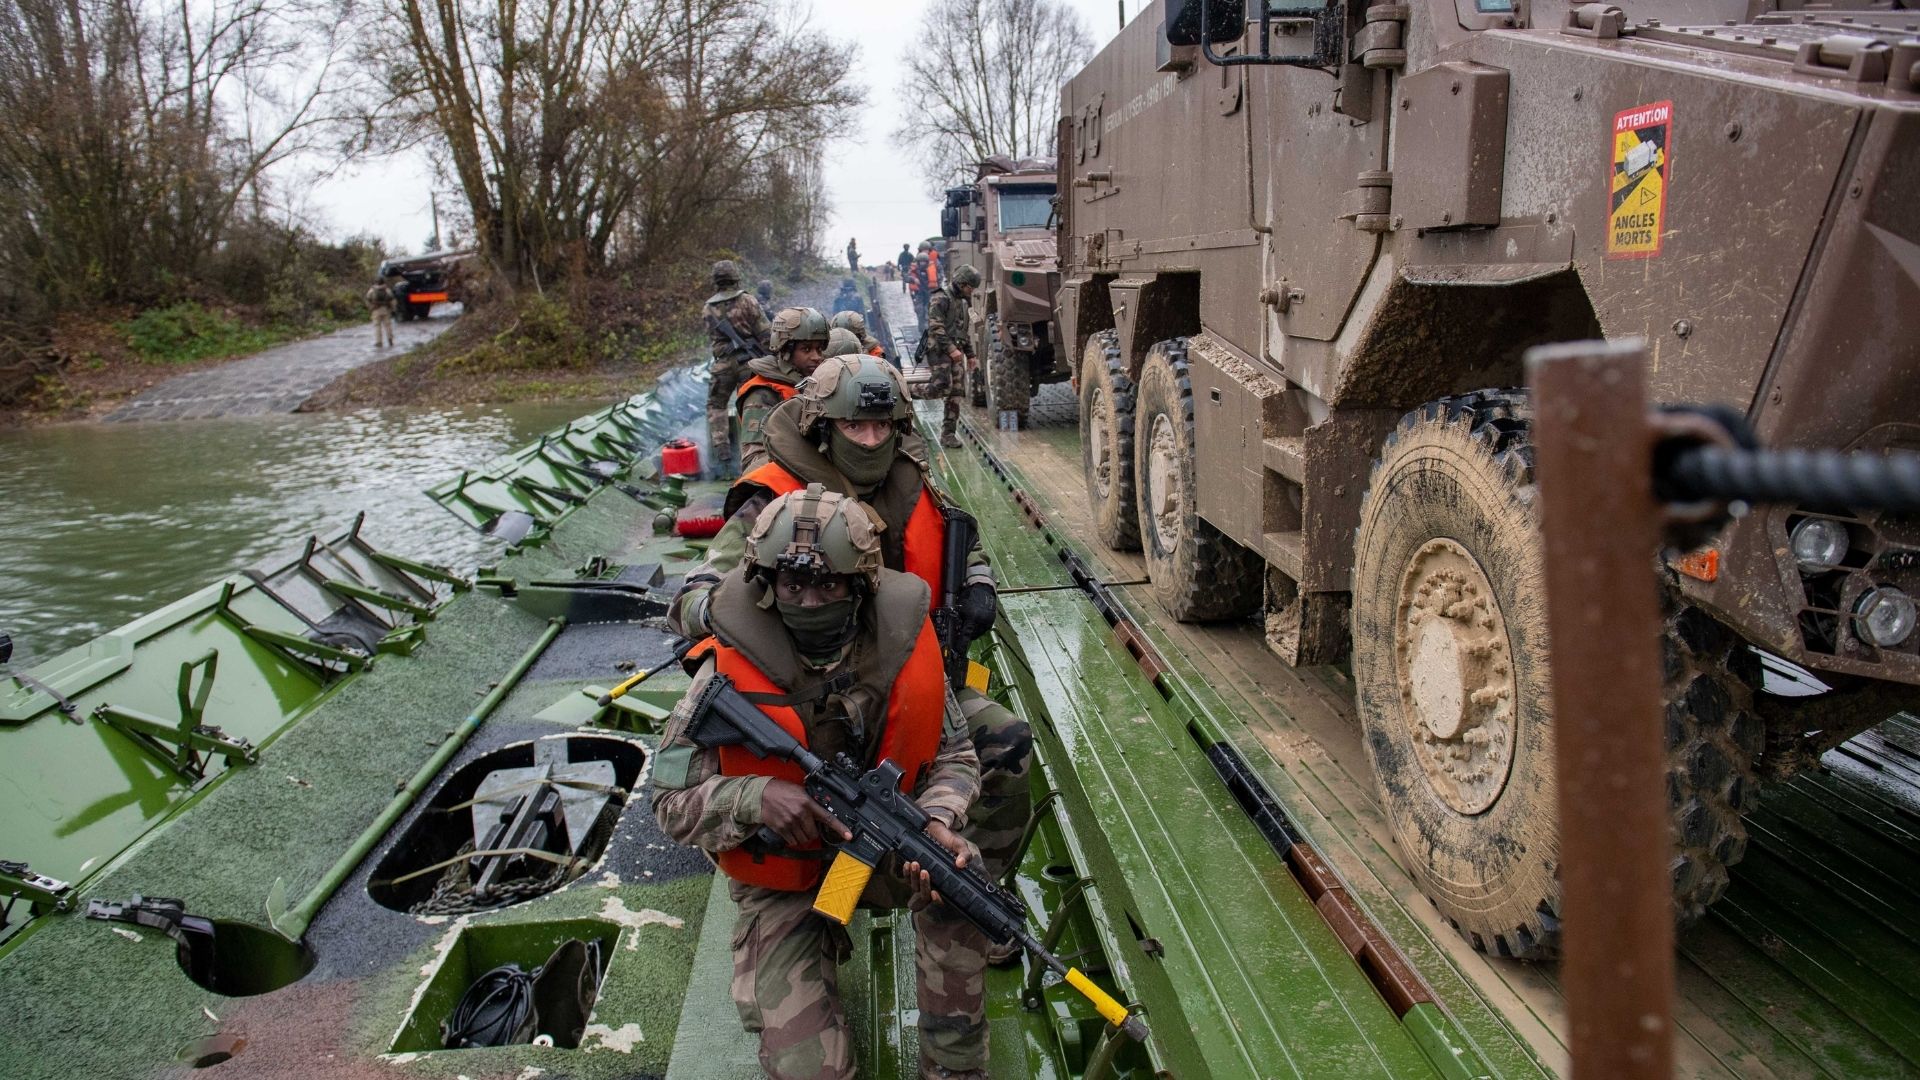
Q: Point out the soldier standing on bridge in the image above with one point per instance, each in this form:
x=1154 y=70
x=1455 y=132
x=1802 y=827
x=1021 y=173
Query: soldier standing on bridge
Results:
x=380 y=304
x=947 y=346
x=905 y=262
x=810 y=613
x=917 y=284
x=739 y=331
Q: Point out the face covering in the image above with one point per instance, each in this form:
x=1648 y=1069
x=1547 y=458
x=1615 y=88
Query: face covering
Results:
x=819 y=630
x=862 y=466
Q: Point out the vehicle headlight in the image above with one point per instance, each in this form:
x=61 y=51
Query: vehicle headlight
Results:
x=1883 y=616
x=1818 y=545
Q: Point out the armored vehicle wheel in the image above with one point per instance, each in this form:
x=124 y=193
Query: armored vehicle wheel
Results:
x=1106 y=442
x=976 y=372
x=1009 y=387
x=1197 y=572
x=1450 y=663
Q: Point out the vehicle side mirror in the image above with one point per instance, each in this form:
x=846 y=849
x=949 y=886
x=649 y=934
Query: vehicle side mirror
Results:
x=949 y=222
x=1225 y=20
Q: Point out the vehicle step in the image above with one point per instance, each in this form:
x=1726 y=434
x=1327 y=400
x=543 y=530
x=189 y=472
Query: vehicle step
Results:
x=1287 y=551
x=1286 y=455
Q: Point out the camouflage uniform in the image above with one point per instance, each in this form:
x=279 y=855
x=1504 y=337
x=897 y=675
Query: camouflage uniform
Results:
x=735 y=308
x=757 y=403
x=786 y=957
x=1003 y=741
x=946 y=330
x=380 y=305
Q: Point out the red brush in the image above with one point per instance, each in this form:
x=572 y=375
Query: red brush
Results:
x=698 y=522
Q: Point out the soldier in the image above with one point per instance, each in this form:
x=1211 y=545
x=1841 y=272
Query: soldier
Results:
x=738 y=328
x=850 y=428
x=380 y=304
x=799 y=342
x=905 y=261
x=841 y=342
x=811 y=615
x=917 y=283
x=853 y=258
x=856 y=323
x=765 y=291
x=947 y=345
x=848 y=298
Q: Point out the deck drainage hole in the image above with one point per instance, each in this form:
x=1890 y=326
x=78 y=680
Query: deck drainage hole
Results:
x=213 y=1050
x=240 y=960
x=560 y=797
x=1057 y=872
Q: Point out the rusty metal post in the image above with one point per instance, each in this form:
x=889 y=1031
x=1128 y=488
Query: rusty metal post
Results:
x=1601 y=524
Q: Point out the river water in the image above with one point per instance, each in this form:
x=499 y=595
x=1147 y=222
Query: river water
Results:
x=100 y=523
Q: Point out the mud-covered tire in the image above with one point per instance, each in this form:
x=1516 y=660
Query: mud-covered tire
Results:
x=1455 y=479
x=1106 y=442
x=974 y=377
x=1197 y=572
x=1451 y=495
x=1714 y=740
x=1009 y=377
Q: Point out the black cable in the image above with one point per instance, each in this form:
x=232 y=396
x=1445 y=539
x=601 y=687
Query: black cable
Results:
x=1824 y=478
x=497 y=1010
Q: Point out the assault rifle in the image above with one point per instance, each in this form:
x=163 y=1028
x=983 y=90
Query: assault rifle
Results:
x=884 y=822
x=947 y=625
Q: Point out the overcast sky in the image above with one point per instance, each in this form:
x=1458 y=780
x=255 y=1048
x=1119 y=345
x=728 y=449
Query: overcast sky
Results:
x=876 y=192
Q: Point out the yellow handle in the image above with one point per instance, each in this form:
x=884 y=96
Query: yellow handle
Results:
x=1103 y=1003
x=977 y=675
x=846 y=880
x=606 y=699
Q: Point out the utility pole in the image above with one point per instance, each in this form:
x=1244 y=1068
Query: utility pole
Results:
x=1123 y=13
x=433 y=200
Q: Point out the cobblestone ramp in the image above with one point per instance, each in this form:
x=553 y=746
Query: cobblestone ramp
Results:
x=279 y=380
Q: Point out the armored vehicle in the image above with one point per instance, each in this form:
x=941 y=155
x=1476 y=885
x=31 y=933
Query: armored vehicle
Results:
x=1303 y=251
x=424 y=280
x=1001 y=226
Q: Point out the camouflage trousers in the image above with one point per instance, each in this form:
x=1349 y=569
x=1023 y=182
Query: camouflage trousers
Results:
x=382 y=326
x=786 y=981
x=944 y=382
x=1004 y=744
x=726 y=379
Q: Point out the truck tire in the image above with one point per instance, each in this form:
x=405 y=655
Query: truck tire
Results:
x=1009 y=388
x=975 y=379
x=1106 y=442
x=1450 y=665
x=1197 y=572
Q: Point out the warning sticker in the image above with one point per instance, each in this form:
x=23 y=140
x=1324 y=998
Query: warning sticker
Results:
x=1641 y=172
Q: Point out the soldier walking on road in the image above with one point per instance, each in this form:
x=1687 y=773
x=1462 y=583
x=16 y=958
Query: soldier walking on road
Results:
x=948 y=347
x=380 y=304
x=811 y=614
x=738 y=327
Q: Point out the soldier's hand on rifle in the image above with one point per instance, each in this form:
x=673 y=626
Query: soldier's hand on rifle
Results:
x=956 y=355
x=920 y=880
x=977 y=606
x=787 y=809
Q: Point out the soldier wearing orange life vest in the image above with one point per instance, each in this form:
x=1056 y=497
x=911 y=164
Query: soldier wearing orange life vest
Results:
x=799 y=340
x=850 y=429
x=847 y=661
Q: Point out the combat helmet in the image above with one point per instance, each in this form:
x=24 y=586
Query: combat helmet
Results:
x=798 y=324
x=815 y=532
x=964 y=275
x=849 y=320
x=853 y=387
x=841 y=341
x=726 y=274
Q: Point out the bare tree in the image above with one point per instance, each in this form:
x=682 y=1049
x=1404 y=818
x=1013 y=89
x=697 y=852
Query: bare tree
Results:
x=585 y=131
x=983 y=77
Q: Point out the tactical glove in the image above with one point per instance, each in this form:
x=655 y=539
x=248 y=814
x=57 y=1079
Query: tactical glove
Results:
x=978 y=603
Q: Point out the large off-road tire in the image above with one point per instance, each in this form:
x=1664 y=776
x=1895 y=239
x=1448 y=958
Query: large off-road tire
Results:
x=1450 y=662
x=1009 y=377
x=1106 y=442
x=975 y=377
x=1197 y=572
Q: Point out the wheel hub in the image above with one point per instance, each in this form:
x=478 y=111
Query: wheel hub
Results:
x=1164 y=498
x=1456 y=676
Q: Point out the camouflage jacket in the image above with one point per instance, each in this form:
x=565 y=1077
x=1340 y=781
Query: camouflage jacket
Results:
x=756 y=403
x=696 y=804
x=380 y=298
x=687 y=614
x=740 y=309
x=947 y=324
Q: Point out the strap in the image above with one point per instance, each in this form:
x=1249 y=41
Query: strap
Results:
x=838 y=684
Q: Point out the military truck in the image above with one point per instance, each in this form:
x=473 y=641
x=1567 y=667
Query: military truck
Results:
x=1001 y=225
x=1303 y=251
x=421 y=281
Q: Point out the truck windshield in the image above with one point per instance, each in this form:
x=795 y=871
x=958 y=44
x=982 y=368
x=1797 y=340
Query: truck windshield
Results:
x=1025 y=206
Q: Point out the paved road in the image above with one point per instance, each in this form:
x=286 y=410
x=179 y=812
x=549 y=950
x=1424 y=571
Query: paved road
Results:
x=278 y=380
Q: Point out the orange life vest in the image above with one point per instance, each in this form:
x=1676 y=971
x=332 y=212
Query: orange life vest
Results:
x=921 y=547
x=785 y=390
x=910 y=738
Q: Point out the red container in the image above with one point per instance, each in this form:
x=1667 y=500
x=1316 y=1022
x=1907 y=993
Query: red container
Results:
x=679 y=457
x=698 y=523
